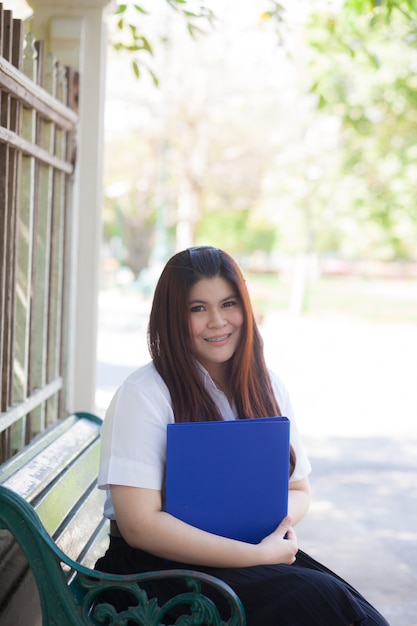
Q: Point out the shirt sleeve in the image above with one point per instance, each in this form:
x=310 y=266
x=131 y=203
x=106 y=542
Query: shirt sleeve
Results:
x=133 y=437
x=302 y=463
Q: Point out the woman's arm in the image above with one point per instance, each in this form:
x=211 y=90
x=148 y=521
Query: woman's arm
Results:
x=144 y=525
x=299 y=497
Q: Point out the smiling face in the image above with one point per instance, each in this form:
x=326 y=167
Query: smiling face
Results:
x=216 y=318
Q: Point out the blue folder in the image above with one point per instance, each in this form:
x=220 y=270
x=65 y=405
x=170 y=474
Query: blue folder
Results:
x=229 y=477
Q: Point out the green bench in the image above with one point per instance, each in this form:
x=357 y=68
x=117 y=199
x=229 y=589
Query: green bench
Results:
x=51 y=508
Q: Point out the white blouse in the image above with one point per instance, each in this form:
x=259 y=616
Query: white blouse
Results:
x=133 y=436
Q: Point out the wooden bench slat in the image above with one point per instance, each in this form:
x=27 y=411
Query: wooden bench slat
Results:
x=38 y=444
x=58 y=502
x=33 y=470
x=97 y=547
x=82 y=527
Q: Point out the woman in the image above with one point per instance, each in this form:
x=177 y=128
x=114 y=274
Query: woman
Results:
x=208 y=364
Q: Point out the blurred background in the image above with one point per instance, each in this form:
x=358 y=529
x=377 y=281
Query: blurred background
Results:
x=285 y=133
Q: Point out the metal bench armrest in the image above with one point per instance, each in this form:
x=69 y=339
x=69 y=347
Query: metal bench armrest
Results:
x=73 y=598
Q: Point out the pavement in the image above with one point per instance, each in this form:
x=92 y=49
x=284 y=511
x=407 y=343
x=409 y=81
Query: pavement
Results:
x=353 y=385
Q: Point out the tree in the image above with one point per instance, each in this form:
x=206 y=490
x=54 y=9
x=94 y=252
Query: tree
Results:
x=217 y=124
x=229 y=143
x=132 y=34
x=363 y=62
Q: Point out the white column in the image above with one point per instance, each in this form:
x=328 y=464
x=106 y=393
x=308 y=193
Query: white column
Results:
x=74 y=30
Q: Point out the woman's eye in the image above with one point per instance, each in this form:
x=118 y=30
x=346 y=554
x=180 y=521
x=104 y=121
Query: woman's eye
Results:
x=197 y=309
x=229 y=303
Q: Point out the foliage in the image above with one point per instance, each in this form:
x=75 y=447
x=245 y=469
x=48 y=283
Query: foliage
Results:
x=237 y=231
x=222 y=148
x=132 y=32
x=364 y=68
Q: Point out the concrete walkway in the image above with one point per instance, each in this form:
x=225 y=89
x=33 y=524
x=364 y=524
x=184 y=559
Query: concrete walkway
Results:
x=354 y=389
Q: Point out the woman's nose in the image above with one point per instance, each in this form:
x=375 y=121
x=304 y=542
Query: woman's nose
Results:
x=216 y=319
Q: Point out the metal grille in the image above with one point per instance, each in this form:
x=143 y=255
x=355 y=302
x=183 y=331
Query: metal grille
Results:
x=38 y=109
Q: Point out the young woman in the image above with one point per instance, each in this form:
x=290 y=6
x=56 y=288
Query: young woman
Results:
x=207 y=364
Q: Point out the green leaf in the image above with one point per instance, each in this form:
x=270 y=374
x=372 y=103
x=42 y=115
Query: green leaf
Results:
x=135 y=67
x=193 y=30
x=120 y=9
x=154 y=78
x=140 y=9
x=147 y=45
x=322 y=101
x=191 y=14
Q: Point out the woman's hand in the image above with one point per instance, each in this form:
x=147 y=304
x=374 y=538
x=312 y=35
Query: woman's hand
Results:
x=144 y=525
x=280 y=546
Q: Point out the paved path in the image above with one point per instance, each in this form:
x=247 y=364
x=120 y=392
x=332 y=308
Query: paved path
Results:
x=363 y=518
x=354 y=390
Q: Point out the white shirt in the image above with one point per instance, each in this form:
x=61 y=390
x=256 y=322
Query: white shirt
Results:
x=133 y=435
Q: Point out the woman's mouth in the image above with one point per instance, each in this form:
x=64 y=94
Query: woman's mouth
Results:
x=218 y=339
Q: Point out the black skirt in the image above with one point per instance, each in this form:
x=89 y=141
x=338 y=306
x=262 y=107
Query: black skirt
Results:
x=303 y=594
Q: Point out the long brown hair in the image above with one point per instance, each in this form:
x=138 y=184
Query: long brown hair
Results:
x=170 y=344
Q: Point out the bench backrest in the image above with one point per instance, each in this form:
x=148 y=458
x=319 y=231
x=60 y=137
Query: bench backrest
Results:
x=57 y=474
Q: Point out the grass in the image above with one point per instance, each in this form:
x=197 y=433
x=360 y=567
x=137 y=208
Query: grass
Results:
x=382 y=300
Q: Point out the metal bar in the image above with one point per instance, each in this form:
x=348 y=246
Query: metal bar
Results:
x=34 y=97
x=31 y=149
x=23 y=408
x=37 y=126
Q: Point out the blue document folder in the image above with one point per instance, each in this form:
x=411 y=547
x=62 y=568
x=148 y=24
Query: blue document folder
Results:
x=229 y=477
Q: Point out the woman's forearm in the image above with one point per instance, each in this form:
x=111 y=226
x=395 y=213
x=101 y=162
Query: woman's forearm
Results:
x=174 y=540
x=145 y=526
x=299 y=497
